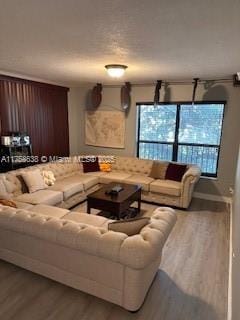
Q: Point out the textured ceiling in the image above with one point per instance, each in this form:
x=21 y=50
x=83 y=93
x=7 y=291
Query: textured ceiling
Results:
x=70 y=41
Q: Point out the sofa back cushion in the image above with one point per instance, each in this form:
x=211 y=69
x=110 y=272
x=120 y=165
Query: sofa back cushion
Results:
x=12 y=183
x=62 y=169
x=4 y=195
x=132 y=165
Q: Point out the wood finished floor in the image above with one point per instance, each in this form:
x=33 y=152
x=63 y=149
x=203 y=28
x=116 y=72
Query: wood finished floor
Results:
x=191 y=283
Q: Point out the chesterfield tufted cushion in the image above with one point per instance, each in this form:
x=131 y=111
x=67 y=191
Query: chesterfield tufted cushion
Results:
x=62 y=169
x=132 y=165
x=12 y=183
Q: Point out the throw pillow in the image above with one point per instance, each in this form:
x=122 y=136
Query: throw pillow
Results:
x=105 y=167
x=34 y=180
x=24 y=187
x=159 y=169
x=175 y=171
x=130 y=226
x=90 y=165
x=48 y=177
x=8 y=203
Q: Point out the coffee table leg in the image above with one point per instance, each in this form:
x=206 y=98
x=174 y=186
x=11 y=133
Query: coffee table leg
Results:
x=139 y=202
x=88 y=208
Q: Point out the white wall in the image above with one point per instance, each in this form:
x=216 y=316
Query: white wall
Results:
x=236 y=248
x=76 y=106
x=111 y=99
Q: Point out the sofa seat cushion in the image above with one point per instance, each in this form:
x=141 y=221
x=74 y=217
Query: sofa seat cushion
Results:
x=91 y=219
x=143 y=181
x=95 y=174
x=68 y=186
x=23 y=205
x=117 y=176
x=87 y=181
x=46 y=196
x=169 y=187
x=49 y=210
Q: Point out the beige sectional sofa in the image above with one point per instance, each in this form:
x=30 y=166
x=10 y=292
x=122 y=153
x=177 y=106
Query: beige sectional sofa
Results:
x=77 y=249
x=43 y=236
x=72 y=185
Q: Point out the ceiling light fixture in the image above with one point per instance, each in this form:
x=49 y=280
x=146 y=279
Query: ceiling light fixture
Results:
x=115 y=70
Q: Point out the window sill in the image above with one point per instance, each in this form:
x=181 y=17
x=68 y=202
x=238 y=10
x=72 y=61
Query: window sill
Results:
x=209 y=178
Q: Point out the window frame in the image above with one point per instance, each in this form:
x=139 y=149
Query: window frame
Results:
x=175 y=144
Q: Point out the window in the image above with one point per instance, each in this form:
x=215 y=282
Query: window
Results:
x=182 y=132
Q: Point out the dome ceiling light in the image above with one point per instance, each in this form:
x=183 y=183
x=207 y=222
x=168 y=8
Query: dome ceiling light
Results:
x=115 y=70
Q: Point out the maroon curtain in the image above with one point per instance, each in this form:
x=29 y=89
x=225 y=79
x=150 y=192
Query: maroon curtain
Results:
x=40 y=110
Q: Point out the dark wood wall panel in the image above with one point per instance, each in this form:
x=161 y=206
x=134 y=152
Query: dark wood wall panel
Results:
x=39 y=109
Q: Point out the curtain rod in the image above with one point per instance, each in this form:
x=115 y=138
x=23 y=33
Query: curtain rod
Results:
x=164 y=82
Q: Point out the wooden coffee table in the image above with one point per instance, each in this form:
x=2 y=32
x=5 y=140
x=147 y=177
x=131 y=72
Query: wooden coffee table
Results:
x=116 y=205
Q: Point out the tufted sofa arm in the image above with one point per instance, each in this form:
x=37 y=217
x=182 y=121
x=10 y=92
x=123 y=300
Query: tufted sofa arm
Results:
x=189 y=180
x=136 y=251
x=140 y=250
x=192 y=174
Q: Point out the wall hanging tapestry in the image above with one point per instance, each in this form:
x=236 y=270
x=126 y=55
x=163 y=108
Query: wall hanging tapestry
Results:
x=105 y=129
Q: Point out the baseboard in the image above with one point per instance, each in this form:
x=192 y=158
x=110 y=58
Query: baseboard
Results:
x=212 y=197
x=229 y=317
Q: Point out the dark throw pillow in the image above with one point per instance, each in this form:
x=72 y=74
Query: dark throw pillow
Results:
x=24 y=187
x=90 y=164
x=175 y=171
